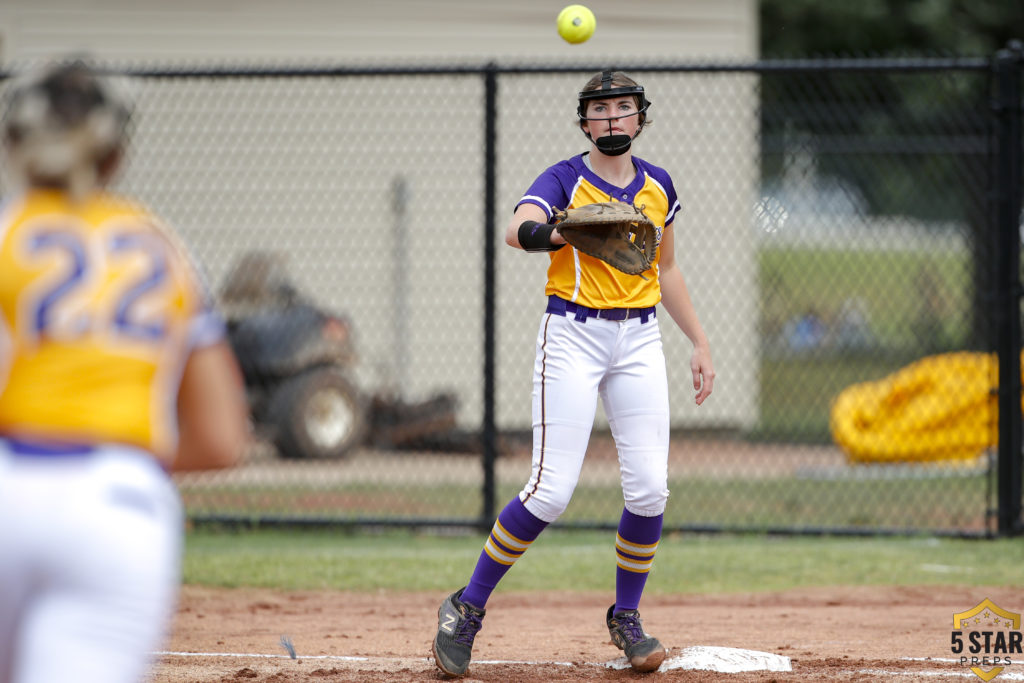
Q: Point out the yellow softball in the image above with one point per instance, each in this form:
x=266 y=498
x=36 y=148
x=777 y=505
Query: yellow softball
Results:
x=576 y=23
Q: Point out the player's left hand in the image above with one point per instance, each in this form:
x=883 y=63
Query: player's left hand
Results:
x=703 y=372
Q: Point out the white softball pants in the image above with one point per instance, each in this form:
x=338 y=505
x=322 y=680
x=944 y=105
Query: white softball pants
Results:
x=623 y=363
x=90 y=552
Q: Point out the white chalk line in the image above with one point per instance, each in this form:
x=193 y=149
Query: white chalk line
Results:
x=614 y=664
x=343 y=658
x=253 y=655
x=726 y=660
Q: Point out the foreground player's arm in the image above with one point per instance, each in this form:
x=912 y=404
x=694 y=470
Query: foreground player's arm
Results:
x=528 y=212
x=675 y=297
x=212 y=411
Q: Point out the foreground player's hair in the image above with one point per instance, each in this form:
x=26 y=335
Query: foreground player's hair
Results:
x=64 y=126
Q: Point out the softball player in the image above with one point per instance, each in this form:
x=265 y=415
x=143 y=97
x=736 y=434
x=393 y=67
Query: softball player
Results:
x=113 y=371
x=598 y=338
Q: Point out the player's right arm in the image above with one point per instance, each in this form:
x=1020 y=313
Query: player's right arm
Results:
x=213 y=424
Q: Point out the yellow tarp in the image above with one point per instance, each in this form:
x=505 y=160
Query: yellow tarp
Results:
x=941 y=407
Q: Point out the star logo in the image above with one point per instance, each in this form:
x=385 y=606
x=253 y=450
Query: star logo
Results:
x=986 y=636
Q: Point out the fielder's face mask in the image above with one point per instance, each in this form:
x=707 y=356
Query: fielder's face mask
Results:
x=613 y=145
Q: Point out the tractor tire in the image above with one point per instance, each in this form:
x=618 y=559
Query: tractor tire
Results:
x=318 y=415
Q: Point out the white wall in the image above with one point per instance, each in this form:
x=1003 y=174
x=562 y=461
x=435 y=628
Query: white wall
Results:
x=714 y=246
x=264 y=30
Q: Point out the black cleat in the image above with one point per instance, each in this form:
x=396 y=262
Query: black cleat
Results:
x=644 y=652
x=457 y=626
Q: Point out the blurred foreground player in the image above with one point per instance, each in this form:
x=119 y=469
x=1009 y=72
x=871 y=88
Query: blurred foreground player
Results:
x=114 y=371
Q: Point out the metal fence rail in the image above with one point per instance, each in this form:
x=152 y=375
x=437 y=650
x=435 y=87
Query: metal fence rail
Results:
x=844 y=222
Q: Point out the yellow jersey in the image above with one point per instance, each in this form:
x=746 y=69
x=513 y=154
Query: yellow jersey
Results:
x=100 y=307
x=583 y=279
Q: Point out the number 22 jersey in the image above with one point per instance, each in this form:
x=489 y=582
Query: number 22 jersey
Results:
x=99 y=309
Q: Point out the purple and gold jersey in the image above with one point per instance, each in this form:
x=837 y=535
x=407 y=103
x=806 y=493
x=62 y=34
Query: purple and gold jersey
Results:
x=575 y=276
x=99 y=309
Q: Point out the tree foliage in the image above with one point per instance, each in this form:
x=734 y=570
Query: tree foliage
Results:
x=905 y=143
x=817 y=28
x=910 y=144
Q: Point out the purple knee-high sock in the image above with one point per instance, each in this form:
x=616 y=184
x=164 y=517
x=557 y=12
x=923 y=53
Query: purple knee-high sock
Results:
x=634 y=550
x=512 y=534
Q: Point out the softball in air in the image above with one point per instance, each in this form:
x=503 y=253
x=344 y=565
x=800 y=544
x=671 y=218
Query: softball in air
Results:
x=576 y=23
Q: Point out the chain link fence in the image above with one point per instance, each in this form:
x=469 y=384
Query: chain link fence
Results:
x=838 y=229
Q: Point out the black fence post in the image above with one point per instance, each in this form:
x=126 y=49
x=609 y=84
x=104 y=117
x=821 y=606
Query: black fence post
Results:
x=490 y=294
x=1007 y=214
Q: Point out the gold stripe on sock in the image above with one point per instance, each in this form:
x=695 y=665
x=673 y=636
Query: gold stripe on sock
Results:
x=508 y=540
x=497 y=554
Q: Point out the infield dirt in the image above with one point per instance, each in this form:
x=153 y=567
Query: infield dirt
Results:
x=829 y=633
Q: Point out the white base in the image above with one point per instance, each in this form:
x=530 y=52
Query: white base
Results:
x=723 y=659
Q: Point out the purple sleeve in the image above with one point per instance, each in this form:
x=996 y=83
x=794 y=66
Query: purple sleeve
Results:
x=662 y=177
x=551 y=189
x=206 y=326
x=674 y=207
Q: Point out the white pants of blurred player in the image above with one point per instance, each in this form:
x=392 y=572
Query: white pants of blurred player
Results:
x=90 y=554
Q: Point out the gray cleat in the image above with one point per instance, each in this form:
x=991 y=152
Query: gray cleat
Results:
x=644 y=652
x=457 y=626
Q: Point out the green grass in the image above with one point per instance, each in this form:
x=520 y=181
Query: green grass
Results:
x=899 y=288
x=797 y=392
x=952 y=502
x=584 y=561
